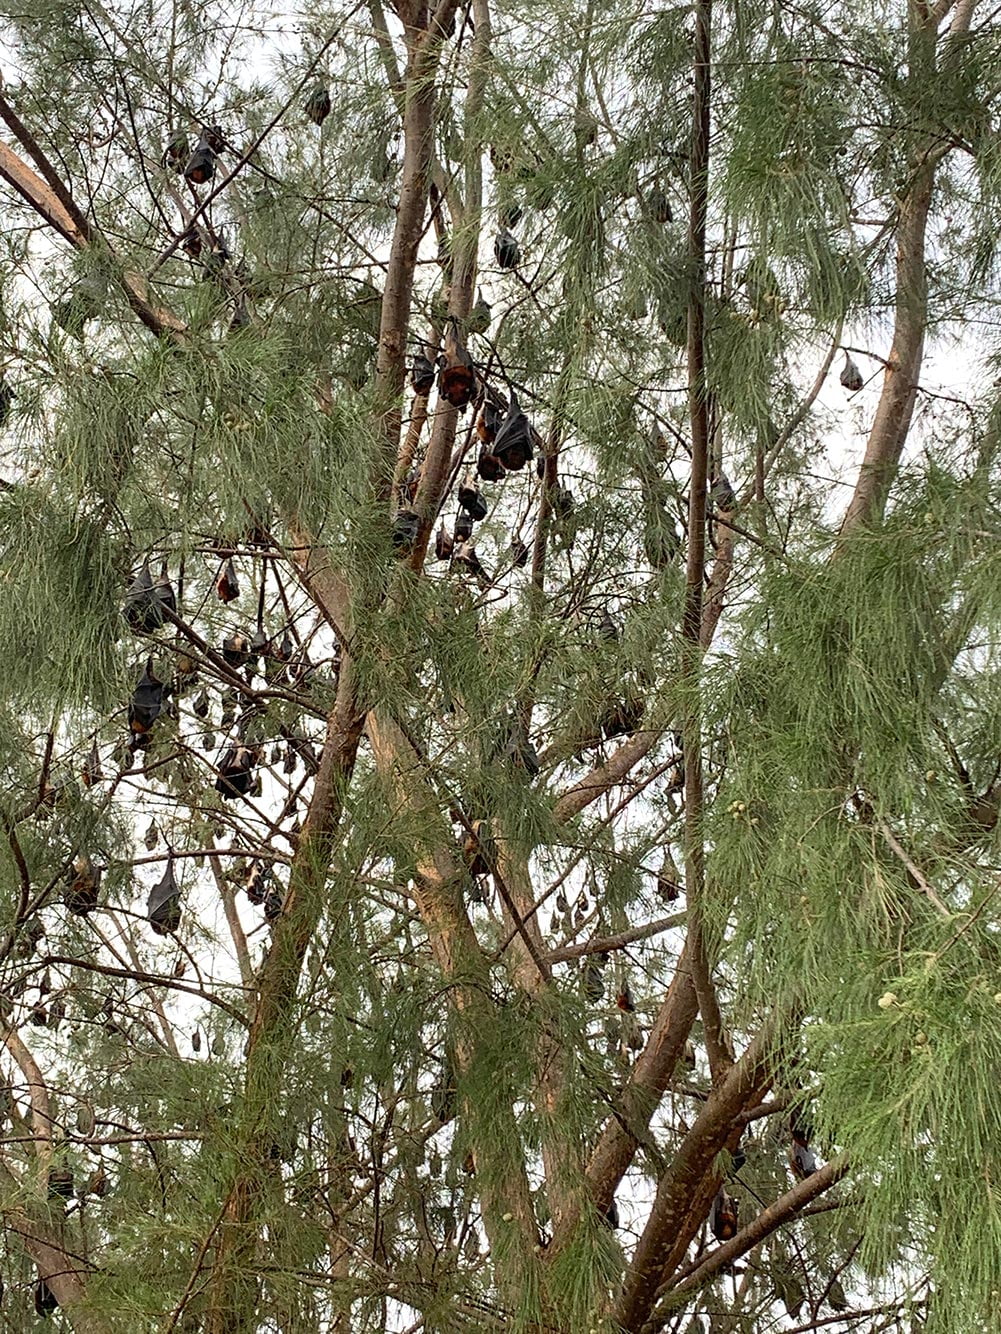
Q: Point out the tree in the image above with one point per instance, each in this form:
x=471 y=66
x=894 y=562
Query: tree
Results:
x=500 y=823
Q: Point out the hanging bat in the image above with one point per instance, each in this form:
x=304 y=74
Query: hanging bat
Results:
x=45 y=1299
x=92 y=772
x=163 y=907
x=443 y=544
x=594 y=982
x=236 y=649
x=456 y=379
x=489 y=466
x=274 y=902
x=479 y=318
x=851 y=376
x=60 y=1183
x=802 y=1160
x=235 y=772
x=465 y=555
x=200 y=167
x=659 y=205
x=256 y=883
x=471 y=499
x=406 y=525
x=488 y=421
x=212 y=137
x=519 y=553
x=506 y=249
x=724 y=495
x=607 y=628
x=610 y=1217
x=227 y=586
x=513 y=442
x=463 y=529
x=723 y=1216
x=517 y=748
x=176 y=152
x=318 y=103
x=478 y=849
x=142 y=607
x=83 y=882
x=146 y=704
x=509 y=215
x=421 y=375
x=623 y=718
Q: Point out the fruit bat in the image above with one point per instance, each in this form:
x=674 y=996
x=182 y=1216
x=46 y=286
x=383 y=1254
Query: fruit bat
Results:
x=488 y=421
x=723 y=1216
x=213 y=137
x=236 y=649
x=562 y=502
x=585 y=127
x=145 y=600
x=196 y=1041
x=836 y=1295
x=241 y=315
x=506 y=249
x=851 y=376
x=83 y=881
x=60 y=1183
x=92 y=772
x=45 y=1299
x=163 y=907
x=478 y=850
x=659 y=205
x=444 y=1095
x=802 y=1160
x=471 y=500
x=422 y=375
x=623 y=718
x=200 y=167
x=146 y=704
x=667 y=882
x=660 y=537
x=97 y=1183
x=624 y=999
x=610 y=1217
x=177 y=151
x=513 y=442
x=227 y=585
x=479 y=317
x=594 y=982
x=724 y=495
x=443 y=544
x=200 y=707
x=274 y=902
x=607 y=628
x=789 y=1291
x=465 y=555
x=456 y=379
x=463 y=529
x=256 y=883
x=517 y=748
x=405 y=528
x=489 y=466
x=509 y=215
x=235 y=772
x=318 y=103
x=85 y=301
x=519 y=553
